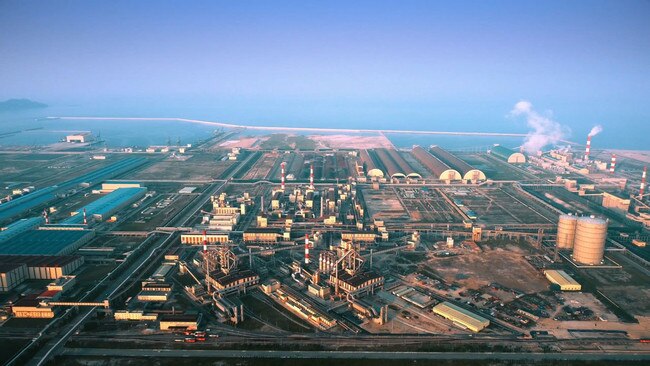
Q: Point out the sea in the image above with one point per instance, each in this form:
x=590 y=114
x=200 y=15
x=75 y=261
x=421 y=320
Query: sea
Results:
x=34 y=128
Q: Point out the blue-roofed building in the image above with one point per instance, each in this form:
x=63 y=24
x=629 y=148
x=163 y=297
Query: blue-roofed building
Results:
x=102 y=208
x=19 y=227
x=46 y=242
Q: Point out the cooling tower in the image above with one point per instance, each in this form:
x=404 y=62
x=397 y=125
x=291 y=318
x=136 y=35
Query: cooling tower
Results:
x=566 y=231
x=589 y=243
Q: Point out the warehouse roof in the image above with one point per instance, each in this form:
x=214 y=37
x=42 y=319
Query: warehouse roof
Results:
x=40 y=260
x=395 y=164
x=19 y=226
x=508 y=155
x=358 y=279
x=108 y=204
x=439 y=169
x=461 y=316
x=225 y=279
x=466 y=170
x=560 y=277
x=44 y=242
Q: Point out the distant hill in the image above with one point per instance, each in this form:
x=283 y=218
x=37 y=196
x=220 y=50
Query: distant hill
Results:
x=12 y=105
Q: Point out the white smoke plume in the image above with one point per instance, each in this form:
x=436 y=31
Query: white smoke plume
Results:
x=596 y=130
x=545 y=131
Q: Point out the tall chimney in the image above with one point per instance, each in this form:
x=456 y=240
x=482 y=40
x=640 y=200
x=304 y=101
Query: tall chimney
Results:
x=311 y=176
x=643 y=179
x=612 y=166
x=306 y=248
x=205 y=242
x=47 y=219
x=282 y=177
x=85 y=220
x=588 y=148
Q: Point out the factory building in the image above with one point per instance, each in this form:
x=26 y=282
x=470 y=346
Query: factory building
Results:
x=395 y=165
x=40 y=267
x=439 y=169
x=357 y=283
x=233 y=282
x=262 y=235
x=110 y=186
x=136 y=315
x=179 y=322
x=19 y=227
x=196 y=238
x=616 y=203
x=102 y=208
x=460 y=316
x=12 y=275
x=359 y=236
x=80 y=138
x=466 y=170
x=562 y=279
x=370 y=167
x=589 y=244
x=508 y=155
x=31 y=307
x=46 y=242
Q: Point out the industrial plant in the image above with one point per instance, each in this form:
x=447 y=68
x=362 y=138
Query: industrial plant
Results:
x=247 y=240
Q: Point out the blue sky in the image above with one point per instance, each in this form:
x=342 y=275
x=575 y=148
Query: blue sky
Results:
x=460 y=63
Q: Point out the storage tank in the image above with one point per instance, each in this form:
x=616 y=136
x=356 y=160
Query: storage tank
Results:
x=589 y=243
x=566 y=231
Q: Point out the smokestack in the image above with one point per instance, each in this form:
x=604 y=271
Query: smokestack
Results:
x=282 y=177
x=205 y=259
x=306 y=248
x=311 y=176
x=643 y=179
x=47 y=219
x=85 y=220
x=205 y=242
x=612 y=166
x=588 y=148
x=262 y=204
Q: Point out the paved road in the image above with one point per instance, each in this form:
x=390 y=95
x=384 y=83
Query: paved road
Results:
x=375 y=355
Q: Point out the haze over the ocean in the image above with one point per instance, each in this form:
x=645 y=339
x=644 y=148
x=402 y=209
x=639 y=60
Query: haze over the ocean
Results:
x=373 y=64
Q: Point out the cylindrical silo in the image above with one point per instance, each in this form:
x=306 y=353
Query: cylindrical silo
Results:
x=589 y=243
x=566 y=231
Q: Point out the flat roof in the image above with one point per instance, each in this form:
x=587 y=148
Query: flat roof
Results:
x=40 y=260
x=225 y=279
x=359 y=278
x=460 y=315
x=19 y=226
x=560 y=277
x=43 y=242
x=107 y=204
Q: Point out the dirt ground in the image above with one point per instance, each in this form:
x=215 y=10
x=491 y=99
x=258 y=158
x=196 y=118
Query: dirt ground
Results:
x=506 y=267
x=346 y=141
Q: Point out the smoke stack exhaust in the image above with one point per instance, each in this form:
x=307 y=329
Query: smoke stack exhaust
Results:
x=643 y=179
x=307 y=249
x=311 y=176
x=282 y=177
x=588 y=148
x=612 y=166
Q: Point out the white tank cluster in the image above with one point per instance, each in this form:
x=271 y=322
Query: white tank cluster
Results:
x=586 y=235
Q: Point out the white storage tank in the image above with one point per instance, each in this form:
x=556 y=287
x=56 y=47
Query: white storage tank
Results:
x=566 y=231
x=590 y=237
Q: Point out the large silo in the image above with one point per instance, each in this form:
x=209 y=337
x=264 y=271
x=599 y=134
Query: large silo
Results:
x=566 y=231
x=589 y=243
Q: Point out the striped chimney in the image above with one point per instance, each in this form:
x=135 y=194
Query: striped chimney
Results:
x=282 y=176
x=612 y=166
x=643 y=179
x=311 y=176
x=85 y=220
x=307 y=249
x=588 y=148
x=205 y=242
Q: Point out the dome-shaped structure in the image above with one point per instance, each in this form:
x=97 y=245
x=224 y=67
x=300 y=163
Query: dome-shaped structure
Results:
x=566 y=231
x=589 y=243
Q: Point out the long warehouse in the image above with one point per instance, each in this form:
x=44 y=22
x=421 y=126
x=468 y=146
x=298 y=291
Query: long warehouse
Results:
x=46 y=242
x=104 y=207
x=467 y=171
x=369 y=165
x=460 y=316
x=508 y=155
x=439 y=169
x=395 y=165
